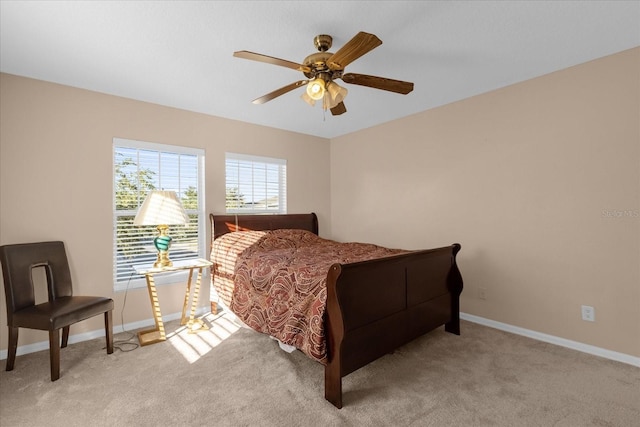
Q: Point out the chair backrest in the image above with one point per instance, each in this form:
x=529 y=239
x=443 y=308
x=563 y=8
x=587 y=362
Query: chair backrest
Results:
x=18 y=262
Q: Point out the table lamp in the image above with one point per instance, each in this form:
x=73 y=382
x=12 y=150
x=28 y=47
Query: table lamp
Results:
x=162 y=208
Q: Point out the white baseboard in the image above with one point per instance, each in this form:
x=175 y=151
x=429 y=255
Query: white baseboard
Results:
x=574 y=345
x=86 y=336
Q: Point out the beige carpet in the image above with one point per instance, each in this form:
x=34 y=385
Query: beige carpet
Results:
x=233 y=376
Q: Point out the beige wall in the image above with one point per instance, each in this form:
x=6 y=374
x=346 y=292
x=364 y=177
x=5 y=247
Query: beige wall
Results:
x=522 y=177
x=539 y=182
x=56 y=178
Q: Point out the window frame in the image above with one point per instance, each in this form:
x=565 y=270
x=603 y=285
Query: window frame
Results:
x=281 y=165
x=135 y=281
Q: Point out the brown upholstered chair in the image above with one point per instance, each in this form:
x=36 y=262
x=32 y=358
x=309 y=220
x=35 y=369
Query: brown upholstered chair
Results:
x=59 y=312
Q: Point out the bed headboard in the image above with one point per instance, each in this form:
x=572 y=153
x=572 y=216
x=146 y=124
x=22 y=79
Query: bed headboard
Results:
x=223 y=224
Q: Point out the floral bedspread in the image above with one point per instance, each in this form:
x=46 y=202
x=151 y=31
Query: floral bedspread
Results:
x=275 y=281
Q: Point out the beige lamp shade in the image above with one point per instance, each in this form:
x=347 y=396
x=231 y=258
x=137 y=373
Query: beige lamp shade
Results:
x=161 y=208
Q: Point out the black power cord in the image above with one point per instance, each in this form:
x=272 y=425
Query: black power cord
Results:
x=127 y=344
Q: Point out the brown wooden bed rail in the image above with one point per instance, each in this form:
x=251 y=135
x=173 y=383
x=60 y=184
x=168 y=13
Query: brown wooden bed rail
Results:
x=375 y=306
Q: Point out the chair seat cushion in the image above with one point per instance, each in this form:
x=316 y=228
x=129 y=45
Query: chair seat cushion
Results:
x=61 y=312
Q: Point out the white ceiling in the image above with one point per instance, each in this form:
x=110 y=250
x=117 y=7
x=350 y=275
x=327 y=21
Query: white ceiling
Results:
x=180 y=53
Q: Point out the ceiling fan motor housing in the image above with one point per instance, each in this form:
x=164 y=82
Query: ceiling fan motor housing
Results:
x=317 y=62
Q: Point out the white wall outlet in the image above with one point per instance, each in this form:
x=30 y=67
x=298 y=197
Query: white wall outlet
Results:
x=482 y=293
x=588 y=313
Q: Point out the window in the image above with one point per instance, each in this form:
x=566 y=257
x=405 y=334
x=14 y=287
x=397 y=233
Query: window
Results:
x=255 y=184
x=139 y=167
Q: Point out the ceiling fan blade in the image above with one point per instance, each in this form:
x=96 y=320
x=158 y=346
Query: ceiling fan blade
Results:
x=244 y=54
x=391 y=85
x=360 y=44
x=339 y=109
x=276 y=93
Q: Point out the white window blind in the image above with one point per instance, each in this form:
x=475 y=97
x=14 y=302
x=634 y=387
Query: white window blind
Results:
x=255 y=184
x=139 y=167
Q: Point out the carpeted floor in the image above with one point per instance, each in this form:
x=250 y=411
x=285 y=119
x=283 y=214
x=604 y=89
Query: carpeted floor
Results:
x=232 y=376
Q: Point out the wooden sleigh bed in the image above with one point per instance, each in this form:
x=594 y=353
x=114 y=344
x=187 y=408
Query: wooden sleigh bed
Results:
x=372 y=306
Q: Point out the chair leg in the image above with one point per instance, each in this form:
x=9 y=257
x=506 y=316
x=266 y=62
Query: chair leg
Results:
x=108 y=330
x=54 y=353
x=13 y=346
x=65 y=336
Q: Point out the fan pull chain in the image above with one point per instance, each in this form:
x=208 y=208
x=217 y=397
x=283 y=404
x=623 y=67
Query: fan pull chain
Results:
x=324 y=107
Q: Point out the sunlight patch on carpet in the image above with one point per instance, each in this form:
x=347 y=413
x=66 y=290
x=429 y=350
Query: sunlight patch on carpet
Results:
x=193 y=345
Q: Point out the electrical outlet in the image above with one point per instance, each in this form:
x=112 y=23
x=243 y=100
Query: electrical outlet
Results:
x=588 y=313
x=482 y=293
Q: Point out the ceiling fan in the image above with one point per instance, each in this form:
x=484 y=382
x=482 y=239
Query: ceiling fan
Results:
x=322 y=69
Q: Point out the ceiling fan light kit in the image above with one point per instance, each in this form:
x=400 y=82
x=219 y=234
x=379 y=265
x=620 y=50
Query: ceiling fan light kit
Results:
x=323 y=68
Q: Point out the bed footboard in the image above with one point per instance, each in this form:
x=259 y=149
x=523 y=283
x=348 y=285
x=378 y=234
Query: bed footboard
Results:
x=376 y=306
